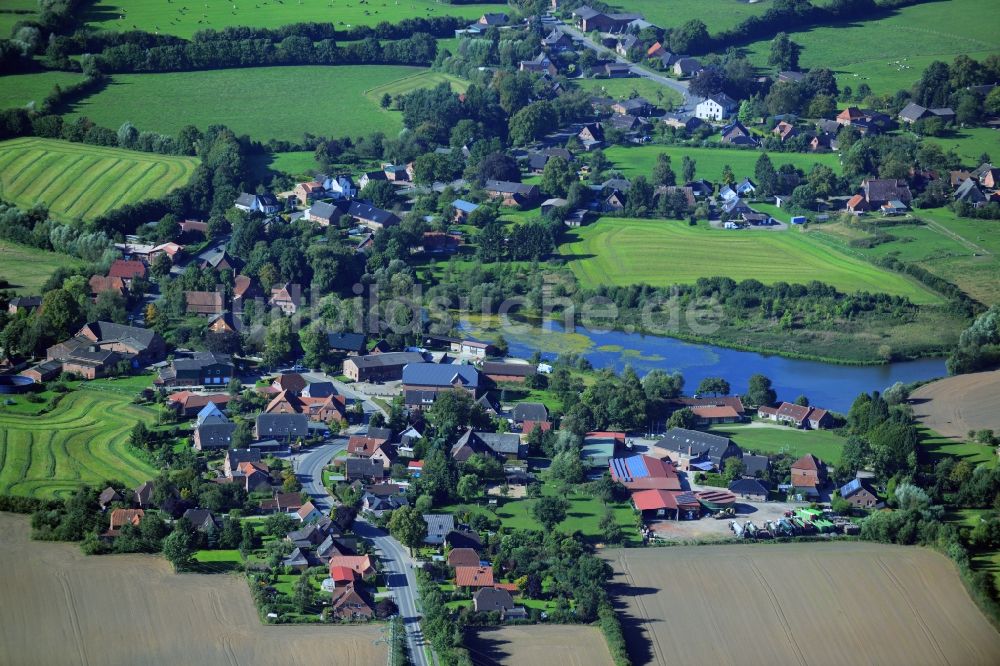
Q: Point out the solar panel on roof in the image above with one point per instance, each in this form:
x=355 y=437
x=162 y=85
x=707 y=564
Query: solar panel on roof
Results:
x=637 y=467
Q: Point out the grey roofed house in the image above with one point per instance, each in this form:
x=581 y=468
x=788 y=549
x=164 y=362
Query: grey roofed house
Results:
x=324 y=211
x=969 y=192
x=529 y=411
x=388 y=358
x=363 y=468
x=347 y=342
x=442 y=376
x=493 y=443
x=488 y=404
x=379 y=433
x=369 y=213
x=687 y=66
x=215 y=434
x=438 y=527
x=913 y=112
x=620 y=184
x=235 y=457
x=300 y=558
x=464 y=539
x=508 y=187
x=413 y=398
x=491 y=599
x=882 y=190
x=282 y=426
x=107 y=496
x=722 y=99
x=331 y=547
x=828 y=126
x=714 y=447
x=754 y=464
x=202 y=520
x=380 y=503
x=312 y=534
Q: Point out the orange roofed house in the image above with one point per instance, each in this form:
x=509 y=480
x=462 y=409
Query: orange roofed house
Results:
x=808 y=475
x=122 y=517
x=473 y=576
x=360 y=564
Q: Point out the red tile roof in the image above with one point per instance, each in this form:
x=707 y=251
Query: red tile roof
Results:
x=474 y=576
x=715 y=412
x=808 y=461
x=650 y=500
x=127 y=269
x=342 y=574
x=360 y=564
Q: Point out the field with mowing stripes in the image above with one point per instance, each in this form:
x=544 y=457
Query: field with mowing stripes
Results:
x=80 y=181
x=626 y=251
x=411 y=83
x=27 y=268
x=184 y=20
x=83 y=440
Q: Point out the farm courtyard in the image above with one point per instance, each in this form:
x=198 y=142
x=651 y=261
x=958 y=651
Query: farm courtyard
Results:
x=806 y=603
x=77 y=180
x=155 y=616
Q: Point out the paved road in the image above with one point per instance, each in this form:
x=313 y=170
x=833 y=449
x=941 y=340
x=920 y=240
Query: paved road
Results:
x=680 y=86
x=396 y=562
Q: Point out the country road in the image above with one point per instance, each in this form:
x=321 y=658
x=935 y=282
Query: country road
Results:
x=680 y=86
x=396 y=562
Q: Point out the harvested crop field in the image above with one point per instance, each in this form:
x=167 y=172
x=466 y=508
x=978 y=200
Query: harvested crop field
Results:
x=540 y=645
x=61 y=607
x=807 y=603
x=953 y=406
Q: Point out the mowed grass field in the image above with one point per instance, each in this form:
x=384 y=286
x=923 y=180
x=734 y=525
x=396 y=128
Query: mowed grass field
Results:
x=764 y=438
x=623 y=89
x=84 y=440
x=17 y=90
x=26 y=268
x=169 y=619
x=8 y=18
x=264 y=102
x=890 y=53
x=410 y=83
x=623 y=251
x=799 y=603
x=185 y=19
x=76 y=180
x=970 y=143
x=639 y=160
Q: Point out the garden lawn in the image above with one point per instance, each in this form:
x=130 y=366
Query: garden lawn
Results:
x=184 y=20
x=623 y=251
x=77 y=180
x=300 y=164
x=17 y=90
x=623 y=89
x=890 y=53
x=584 y=515
x=217 y=561
x=709 y=162
x=970 y=143
x=25 y=269
x=824 y=444
x=329 y=101
x=84 y=440
x=717 y=15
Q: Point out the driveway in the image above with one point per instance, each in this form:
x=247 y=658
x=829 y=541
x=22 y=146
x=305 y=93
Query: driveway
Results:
x=690 y=101
x=397 y=564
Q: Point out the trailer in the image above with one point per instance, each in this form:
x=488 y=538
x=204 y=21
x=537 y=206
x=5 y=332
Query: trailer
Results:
x=736 y=528
x=750 y=530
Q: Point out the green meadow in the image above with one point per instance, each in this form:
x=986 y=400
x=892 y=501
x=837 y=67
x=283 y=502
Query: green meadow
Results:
x=264 y=102
x=84 y=440
x=18 y=90
x=8 y=17
x=635 y=161
x=717 y=15
x=25 y=269
x=890 y=53
x=625 y=251
x=173 y=17
x=970 y=143
x=414 y=82
x=760 y=438
x=76 y=180
x=624 y=89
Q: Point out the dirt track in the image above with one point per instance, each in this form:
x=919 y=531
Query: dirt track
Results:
x=954 y=405
x=60 y=607
x=541 y=645
x=805 y=604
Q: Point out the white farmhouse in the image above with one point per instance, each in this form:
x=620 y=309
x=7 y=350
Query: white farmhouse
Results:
x=715 y=107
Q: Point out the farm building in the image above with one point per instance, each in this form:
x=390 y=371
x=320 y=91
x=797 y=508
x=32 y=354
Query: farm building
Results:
x=671 y=504
x=640 y=472
x=432 y=377
x=692 y=449
x=506 y=446
x=802 y=417
x=600 y=447
x=715 y=500
x=498 y=372
x=751 y=489
x=380 y=367
x=808 y=475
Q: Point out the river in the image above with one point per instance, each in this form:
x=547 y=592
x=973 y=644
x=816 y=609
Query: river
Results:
x=826 y=385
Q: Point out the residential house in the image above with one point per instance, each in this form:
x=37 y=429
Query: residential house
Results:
x=471 y=577
x=99 y=284
x=286 y=298
x=685 y=67
x=363 y=446
x=351 y=603
x=440 y=242
x=339 y=187
x=370 y=177
x=359 y=564
x=381 y=367
x=913 y=112
x=749 y=489
x=371 y=217
x=497 y=19
x=308 y=513
x=692 y=449
x=108 y=497
x=127 y=271
x=879 y=191
x=801 y=416
x=223 y=323
x=737 y=135
x=346 y=343
x=463 y=209
x=219 y=261
x=204 y=303
x=515 y=373
x=860 y=494
x=557 y=41
x=364 y=469
x=463 y=557
x=851 y=114
x=969 y=192
x=120 y=518
x=396 y=173
x=432 y=378
x=24 y=304
x=529 y=411
x=282 y=427
x=808 y=475
x=656 y=50
x=505 y=446
x=438 y=527
x=625 y=44
x=378 y=504
x=591 y=136
x=236 y=457
x=140 y=346
x=539 y=64
x=212 y=429
x=512 y=194
x=552 y=204
x=755 y=466
x=257 y=203
x=244 y=289
x=476 y=348
x=784 y=131
x=282 y=503
x=617 y=70
x=323 y=213
x=306 y=193
x=717 y=106
x=492 y=600
x=636 y=106
x=203 y=520
x=187 y=403
x=201 y=368
x=464 y=539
